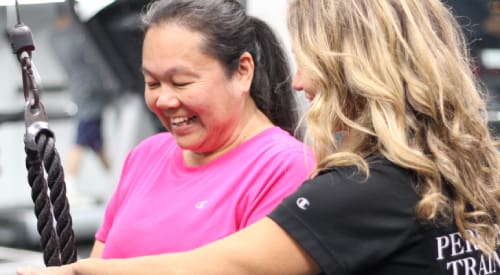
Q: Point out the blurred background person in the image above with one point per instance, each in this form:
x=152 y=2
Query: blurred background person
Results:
x=88 y=91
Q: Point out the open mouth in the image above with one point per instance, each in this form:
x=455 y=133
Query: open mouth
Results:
x=182 y=121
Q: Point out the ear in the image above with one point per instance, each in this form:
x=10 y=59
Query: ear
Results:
x=244 y=74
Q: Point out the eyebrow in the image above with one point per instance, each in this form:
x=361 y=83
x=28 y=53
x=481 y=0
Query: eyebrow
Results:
x=169 y=71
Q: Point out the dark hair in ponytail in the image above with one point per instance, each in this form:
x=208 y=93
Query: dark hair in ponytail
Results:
x=228 y=33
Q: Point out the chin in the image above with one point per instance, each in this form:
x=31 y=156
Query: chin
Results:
x=186 y=144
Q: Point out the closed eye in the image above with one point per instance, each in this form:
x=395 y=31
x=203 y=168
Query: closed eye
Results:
x=181 y=84
x=152 y=85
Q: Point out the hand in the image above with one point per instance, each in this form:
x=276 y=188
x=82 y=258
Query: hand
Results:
x=60 y=270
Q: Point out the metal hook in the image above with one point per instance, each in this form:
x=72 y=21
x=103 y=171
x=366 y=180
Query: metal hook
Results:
x=29 y=82
x=23 y=60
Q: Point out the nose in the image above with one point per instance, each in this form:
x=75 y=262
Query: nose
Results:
x=165 y=99
x=168 y=100
x=297 y=82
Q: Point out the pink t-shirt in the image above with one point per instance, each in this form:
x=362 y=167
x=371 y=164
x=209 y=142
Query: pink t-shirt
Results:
x=161 y=205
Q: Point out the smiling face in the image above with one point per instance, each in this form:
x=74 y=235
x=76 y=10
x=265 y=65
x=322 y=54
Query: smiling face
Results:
x=189 y=90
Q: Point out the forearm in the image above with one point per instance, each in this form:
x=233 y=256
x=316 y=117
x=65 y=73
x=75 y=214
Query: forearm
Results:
x=166 y=264
x=262 y=248
x=144 y=265
x=148 y=265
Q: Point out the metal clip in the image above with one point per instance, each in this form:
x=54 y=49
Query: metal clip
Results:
x=29 y=82
x=36 y=121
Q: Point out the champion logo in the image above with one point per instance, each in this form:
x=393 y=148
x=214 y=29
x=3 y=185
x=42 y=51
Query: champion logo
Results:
x=303 y=203
x=201 y=204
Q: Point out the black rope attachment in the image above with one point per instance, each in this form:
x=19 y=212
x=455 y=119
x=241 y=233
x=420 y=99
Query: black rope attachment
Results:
x=54 y=222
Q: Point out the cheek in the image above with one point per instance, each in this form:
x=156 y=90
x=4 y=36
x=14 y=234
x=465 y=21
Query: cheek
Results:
x=149 y=100
x=213 y=114
x=214 y=103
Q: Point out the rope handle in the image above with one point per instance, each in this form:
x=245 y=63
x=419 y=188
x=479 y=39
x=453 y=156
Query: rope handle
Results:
x=48 y=195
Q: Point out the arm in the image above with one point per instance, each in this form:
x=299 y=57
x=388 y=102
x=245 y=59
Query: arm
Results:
x=262 y=248
x=97 y=249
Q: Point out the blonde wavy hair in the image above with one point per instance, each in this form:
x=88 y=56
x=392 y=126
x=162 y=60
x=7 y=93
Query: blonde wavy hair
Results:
x=395 y=75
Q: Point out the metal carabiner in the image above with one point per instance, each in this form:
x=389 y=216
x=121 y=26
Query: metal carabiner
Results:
x=31 y=81
x=35 y=116
x=28 y=79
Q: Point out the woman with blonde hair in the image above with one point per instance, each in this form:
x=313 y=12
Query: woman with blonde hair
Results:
x=412 y=185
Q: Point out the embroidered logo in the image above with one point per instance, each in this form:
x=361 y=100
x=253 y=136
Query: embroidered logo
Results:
x=303 y=203
x=201 y=204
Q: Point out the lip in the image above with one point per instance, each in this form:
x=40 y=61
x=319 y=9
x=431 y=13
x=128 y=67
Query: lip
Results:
x=181 y=130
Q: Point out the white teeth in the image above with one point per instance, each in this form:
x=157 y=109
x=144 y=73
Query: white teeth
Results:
x=177 y=120
x=181 y=120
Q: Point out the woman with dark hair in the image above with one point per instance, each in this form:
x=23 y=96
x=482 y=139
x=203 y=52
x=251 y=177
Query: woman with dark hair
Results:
x=218 y=80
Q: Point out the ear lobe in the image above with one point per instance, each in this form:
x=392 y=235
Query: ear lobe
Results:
x=245 y=70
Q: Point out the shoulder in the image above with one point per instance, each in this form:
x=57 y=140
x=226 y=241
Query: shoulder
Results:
x=387 y=186
x=279 y=147
x=382 y=172
x=152 y=144
x=278 y=137
x=277 y=141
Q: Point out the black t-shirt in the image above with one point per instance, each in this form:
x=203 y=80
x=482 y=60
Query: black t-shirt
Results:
x=350 y=225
